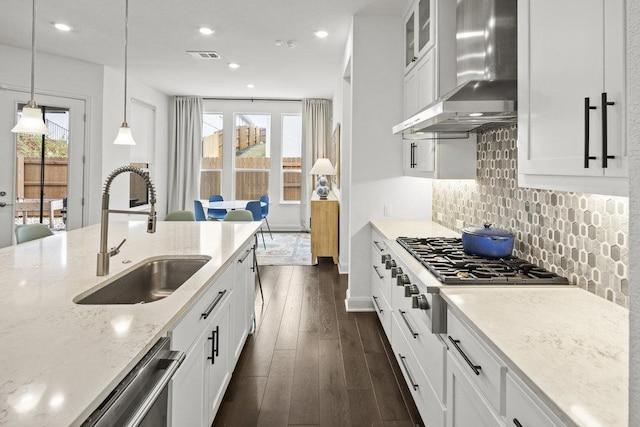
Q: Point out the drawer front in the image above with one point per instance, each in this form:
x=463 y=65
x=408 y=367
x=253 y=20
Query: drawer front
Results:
x=429 y=348
x=382 y=308
x=190 y=326
x=523 y=409
x=379 y=268
x=484 y=369
x=422 y=391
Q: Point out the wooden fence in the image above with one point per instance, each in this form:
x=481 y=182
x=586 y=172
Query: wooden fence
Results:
x=28 y=177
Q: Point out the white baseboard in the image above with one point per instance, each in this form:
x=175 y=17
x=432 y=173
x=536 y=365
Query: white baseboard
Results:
x=358 y=304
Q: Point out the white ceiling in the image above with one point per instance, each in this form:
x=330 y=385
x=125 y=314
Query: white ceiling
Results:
x=161 y=31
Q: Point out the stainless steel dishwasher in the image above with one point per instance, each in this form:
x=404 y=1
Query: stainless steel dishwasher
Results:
x=142 y=397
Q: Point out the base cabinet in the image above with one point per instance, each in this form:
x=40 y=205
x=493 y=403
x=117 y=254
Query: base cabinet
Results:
x=525 y=409
x=466 y=405
x=212 y=334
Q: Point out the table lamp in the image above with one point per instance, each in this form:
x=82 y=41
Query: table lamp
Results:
x=321 y=168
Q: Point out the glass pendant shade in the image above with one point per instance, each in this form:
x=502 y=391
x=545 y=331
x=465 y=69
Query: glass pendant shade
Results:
x=124 y=136
x=31 y=122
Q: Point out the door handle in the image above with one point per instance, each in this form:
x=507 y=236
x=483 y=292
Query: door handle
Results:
x=605 y=154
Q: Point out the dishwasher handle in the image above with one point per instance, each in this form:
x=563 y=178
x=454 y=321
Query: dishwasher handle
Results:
x=175 y=359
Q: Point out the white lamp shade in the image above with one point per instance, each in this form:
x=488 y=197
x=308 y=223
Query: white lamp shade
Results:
x=124 y=136
x=322 y=167
x=31 y=122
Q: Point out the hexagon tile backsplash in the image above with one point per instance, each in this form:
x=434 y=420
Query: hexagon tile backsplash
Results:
x=583 y=237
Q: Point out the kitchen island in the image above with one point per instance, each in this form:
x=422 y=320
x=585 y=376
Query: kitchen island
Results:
x=59 y=360
x=563 y=345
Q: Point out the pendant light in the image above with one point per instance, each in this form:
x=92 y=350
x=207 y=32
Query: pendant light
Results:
x=31 y=120
x=124 y=133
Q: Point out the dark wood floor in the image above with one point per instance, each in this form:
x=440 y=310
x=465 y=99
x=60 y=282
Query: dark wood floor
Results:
x=310 y=362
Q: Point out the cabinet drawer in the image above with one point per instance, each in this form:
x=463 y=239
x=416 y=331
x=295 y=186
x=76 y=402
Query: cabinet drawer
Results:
x=194 y=321
x=485 y=370
x=428 y=347
x=382 y=308
x=524 y=409
x=422 y=391
x=380 y=271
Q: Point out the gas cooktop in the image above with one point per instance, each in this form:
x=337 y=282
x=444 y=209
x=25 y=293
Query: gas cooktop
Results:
x=445 y=259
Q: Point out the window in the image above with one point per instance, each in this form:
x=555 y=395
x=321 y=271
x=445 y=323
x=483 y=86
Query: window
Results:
x=291 y=157
x=211 y=164
x=253 y=160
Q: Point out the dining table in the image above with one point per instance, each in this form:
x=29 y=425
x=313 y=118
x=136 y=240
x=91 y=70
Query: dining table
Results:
x=228 y=204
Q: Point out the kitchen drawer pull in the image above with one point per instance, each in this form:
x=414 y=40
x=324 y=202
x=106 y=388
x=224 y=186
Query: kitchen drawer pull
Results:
x=475 y=368
x=404 y=317
x=375 y=301
x=406 y=370
x=213 y=304
x=378 y=246
x=214 y=345
x=517 y=423
x=241 y=260
x=413 y=155
x=375 y=267
x=605 y=148
x=587 y=157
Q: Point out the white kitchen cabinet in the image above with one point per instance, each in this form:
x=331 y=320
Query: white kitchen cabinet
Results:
x=243 y=291
x=466 y=405
x=440 y=158
x=218 y=369
x=420 y=85
x=419 y=30
x=525 y=409
x=559 y=132
x=187 y=387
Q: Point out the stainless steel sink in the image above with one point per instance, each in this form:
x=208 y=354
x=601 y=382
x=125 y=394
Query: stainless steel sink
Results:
x=148 y=282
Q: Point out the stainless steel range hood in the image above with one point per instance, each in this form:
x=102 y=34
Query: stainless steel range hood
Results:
x=486 y=65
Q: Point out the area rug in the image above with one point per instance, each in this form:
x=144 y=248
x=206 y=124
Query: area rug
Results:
x=284 y=249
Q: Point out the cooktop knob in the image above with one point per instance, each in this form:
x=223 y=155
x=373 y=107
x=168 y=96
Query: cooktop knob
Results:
x=385 y=258
x=402 y=280
x=395 y=271
x=389 y=264
x=411 y=290
x=420 y=301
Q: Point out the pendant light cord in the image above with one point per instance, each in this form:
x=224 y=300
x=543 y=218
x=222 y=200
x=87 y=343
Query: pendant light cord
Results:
x=126 y=40
x=33 y=55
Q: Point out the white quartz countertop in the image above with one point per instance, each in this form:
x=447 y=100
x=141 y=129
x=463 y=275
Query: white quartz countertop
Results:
x=59 y=360
x=570 y=346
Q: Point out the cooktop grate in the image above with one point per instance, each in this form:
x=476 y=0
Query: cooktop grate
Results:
x=445 y=258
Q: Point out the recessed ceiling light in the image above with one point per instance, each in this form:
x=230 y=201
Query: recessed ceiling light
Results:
x=62 y=27
x=206 y=31
x=251 y=86
x=291 y=44
x=321 y=34
x=278 y=42
x=233 y=65
x=475 y=114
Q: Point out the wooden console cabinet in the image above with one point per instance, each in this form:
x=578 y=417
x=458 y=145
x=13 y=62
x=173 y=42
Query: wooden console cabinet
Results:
x=324 y=227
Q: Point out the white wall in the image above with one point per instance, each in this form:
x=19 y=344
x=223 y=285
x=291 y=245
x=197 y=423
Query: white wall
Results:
x=114 y=156
x=376 y=155
x=633 y=135
x=282 y=215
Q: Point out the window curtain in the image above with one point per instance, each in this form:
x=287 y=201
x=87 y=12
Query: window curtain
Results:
x=185 y=152
x=316 y=131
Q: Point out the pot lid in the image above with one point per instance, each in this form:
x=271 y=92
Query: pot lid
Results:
x=486 y=230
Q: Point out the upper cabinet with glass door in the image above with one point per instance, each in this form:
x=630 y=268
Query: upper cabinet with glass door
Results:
x=419 y=31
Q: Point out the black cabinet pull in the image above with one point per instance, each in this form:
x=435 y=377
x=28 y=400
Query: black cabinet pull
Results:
x=213 y=304
x=403 y=314
x=475 y=368
x=246 y=254
x=587 y=107
x=404 y=365
x=375 y=300
x=517 y=423
x=605 y=149
x=215 y=334
x=413 y=154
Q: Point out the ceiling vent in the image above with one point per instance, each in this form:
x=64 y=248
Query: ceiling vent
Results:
x=206 y=54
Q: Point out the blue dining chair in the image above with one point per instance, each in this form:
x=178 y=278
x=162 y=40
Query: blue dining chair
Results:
x=198 y=211
x=265 y=212
x=256 y=211
x=217 y=214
